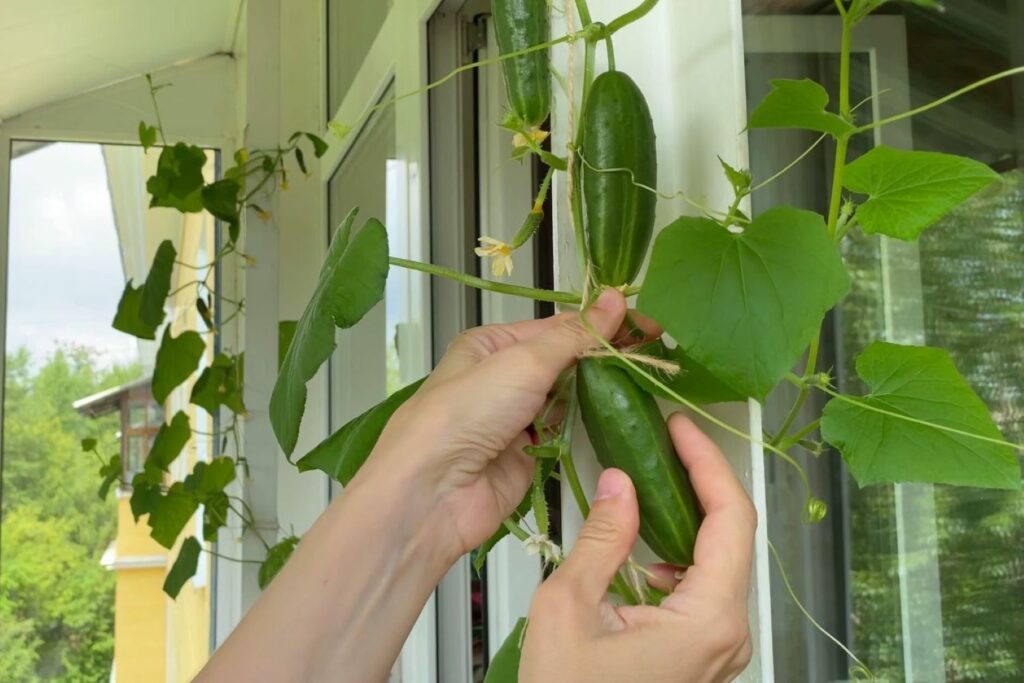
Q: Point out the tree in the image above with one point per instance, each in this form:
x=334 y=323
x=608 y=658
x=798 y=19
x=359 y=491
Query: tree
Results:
x=56 y=601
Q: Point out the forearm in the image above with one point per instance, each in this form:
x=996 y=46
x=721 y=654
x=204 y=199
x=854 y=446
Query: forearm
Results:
x=347 y=599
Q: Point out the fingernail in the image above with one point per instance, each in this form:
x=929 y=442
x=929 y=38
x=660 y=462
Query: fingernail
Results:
x=604 y=302
x=610 y=485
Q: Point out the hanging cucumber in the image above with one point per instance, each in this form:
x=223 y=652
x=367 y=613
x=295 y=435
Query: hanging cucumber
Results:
x=619 y=154
x=520 y=24
x=628 y=432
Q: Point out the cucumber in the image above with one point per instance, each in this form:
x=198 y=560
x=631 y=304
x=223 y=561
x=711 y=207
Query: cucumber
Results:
x=628 y=431
x=519 y=24
x=618 y=133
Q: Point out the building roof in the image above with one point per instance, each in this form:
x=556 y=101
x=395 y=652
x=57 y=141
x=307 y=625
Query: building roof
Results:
x=109 y=400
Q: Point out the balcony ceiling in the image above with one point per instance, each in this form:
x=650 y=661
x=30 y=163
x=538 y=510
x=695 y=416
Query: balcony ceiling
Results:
x=54 y=49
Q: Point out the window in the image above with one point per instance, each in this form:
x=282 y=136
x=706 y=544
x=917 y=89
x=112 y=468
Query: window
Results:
x=351 y=29
x=923 y=582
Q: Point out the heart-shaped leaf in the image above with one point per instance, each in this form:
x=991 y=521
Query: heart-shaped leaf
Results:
x=221 y=385
x=744 y=306
x=910 y=191
x=879 y=443
x=184 y=567
x=178 y=183
x=176 y=359
x=141 y=309
x=351 y=283
x=798 y=104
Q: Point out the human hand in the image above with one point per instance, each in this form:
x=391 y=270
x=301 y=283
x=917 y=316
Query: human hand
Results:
x=461 y=436
x=699 y=634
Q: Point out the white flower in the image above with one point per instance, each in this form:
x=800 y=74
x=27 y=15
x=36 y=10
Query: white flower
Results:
x=500 y=252
x=540 y=544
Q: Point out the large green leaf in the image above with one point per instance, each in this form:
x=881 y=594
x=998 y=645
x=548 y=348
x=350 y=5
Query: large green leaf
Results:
x=921 y=383
x=221 y=200
x=693 y=381
x=110 y=472
x=798 y=104
x=176 y=359
x=167 y=445
x=744 y=306
x=209 y=479
x=170 y=513
x=184 y=567
x=215 y=514
x=342 y=454
x=221 y=384
x=276 y=558
x=178 y=183
x=351 y=283
x=910 y=191
x=141 y=309
x=504 y=668
x=145 y=495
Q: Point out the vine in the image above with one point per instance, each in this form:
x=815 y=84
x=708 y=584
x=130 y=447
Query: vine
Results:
x=775 y=276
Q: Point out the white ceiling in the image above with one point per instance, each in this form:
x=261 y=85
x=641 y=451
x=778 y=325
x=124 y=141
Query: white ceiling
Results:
x=53 y=49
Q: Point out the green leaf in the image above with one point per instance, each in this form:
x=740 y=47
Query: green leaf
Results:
x=203 y=309
x=215 y=514
x=141 y=309
x=693 y=381
x=920 y=383
x=178 y=182
x=300 y=159
x=740 y=180
x=221 y=384
x=910 y=191
x=88 y=444
x=184 y=567
x=176 y=359
x=168 y=444
x=147 y=135
x=744 y=306
x=276 y=558
x=170 y=514
x=319 y=145
x=504 y=668
x=111 y=472
x=799 y=104
x=221 y=200
x=285 y=333
x=145 y=495
x=342 y=454
x=208 y=479
x=351 y=283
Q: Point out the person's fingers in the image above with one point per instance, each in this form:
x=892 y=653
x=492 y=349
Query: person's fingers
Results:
x=604 y=542
x=473 y=345
x=725 y=540
x=664 y=577
x=637 y=329
x=544 y=356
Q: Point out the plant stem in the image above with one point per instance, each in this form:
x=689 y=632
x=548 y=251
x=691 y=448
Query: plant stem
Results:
x=516 y=530
x=789 y=166
x=156 y=109
x=584 y=11
x=1016 y=71
x=798 y=404
x=479 y=283
x=229 y=558
x=843 y=143
x=611 y=53
x=805 y=431
x=631 y=16
x=575 y=177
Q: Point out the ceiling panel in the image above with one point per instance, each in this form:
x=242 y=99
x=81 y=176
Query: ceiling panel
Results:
x=53 y=49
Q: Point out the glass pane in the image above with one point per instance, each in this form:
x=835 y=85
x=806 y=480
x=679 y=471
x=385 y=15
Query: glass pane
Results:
x=352 y=27
x=923 y=582
x=92 y=604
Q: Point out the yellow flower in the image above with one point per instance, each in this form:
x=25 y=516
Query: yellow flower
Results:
x=500 y=252
x=534 y=135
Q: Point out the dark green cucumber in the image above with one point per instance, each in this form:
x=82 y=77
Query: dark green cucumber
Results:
x=519 y=24
x=619 y=153
x=628 y=431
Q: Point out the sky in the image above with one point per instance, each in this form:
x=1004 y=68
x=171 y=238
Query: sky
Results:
x=65 y=275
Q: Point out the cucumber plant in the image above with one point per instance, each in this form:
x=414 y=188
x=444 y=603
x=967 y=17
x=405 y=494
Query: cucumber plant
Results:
x=714 y=282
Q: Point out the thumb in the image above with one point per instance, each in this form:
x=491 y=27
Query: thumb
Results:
x=606 y=539
x=560 y=346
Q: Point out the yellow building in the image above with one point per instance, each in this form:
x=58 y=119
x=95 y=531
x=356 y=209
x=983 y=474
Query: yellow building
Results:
x=156 y=638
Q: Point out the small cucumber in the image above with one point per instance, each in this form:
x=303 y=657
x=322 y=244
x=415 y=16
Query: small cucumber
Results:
x=619 y=153
x=628 y=431
x=519 y=24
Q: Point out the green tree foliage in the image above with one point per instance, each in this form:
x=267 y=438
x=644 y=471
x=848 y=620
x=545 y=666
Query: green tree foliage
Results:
x=56 y=601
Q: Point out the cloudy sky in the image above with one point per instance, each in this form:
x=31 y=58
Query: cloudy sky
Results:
x=65 y=276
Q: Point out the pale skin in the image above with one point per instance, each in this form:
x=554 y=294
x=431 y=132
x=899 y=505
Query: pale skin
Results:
x=448 y=469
